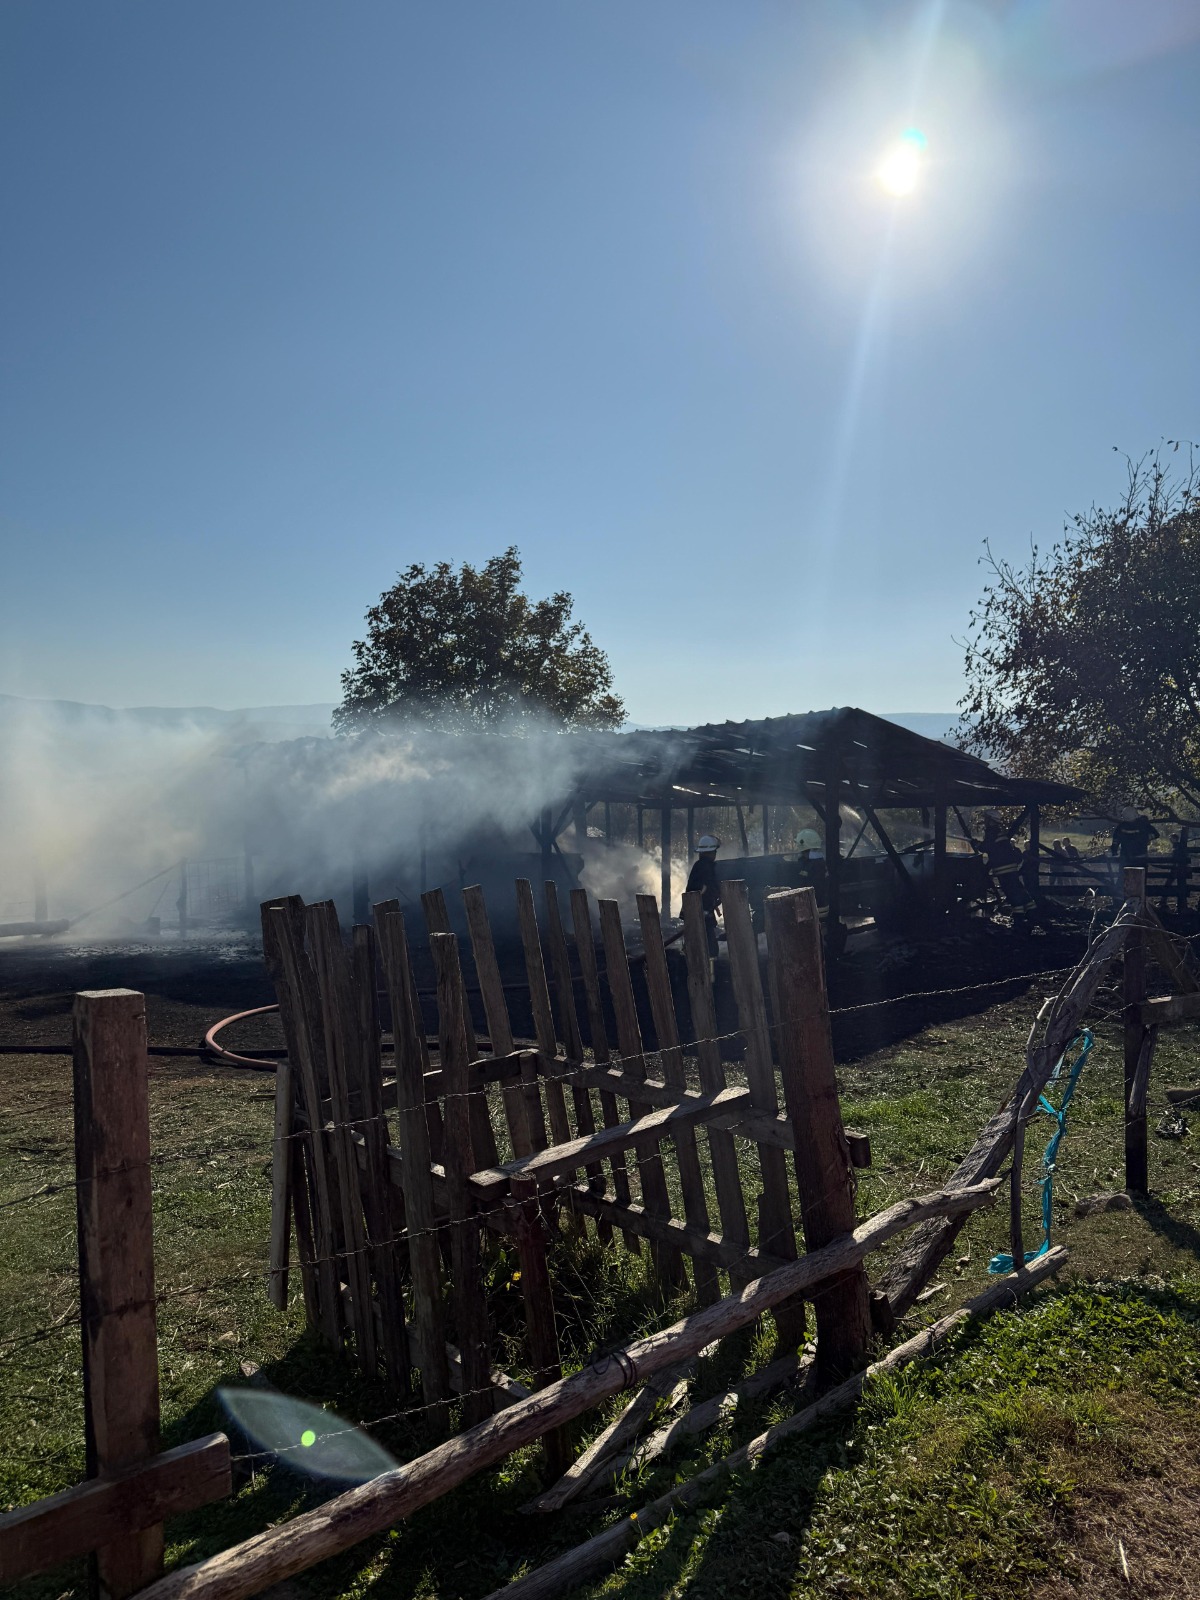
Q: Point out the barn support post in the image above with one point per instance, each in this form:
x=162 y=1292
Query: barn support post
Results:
x=833 y=847
x=691 y=832
x=665 y=847
x=766 y=811
x=608 y=833
x=116 y=1264
x=941 y=876
x=181 y=905
x=641 y=829
x=1033 y=872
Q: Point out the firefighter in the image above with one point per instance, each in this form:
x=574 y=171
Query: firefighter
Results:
x=1131 y=837
x=1005 y=861
x=703 y=880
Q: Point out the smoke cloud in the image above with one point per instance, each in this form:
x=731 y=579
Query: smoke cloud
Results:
x=95 y=802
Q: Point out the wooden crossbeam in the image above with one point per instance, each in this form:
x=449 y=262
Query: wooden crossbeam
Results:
x=93 y=1514
x=560 y=1160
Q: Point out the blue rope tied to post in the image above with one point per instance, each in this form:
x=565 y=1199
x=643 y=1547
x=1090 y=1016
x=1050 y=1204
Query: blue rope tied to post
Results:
x=1004 y=1263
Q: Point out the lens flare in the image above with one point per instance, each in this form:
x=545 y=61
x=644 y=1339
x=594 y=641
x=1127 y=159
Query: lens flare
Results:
x=900 y=170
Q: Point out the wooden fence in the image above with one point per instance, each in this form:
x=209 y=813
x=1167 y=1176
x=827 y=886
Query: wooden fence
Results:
x=508 y=1138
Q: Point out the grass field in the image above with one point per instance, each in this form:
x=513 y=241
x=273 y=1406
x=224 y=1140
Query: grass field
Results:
x=1037 y=1452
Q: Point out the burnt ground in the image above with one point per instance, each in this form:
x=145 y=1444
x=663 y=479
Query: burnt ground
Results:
x=192 y=984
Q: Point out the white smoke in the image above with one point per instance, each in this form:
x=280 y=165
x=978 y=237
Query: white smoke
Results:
x=96 y=802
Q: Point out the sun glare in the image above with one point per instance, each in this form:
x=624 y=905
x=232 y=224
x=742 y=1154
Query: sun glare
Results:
x=900 y=169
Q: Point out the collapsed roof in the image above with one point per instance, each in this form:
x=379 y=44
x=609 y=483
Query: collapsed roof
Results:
x=783 y=760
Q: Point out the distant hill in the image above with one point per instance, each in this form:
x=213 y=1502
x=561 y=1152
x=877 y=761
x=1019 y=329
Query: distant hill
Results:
x=269 y=723
x=932 y=724
x=276 y=723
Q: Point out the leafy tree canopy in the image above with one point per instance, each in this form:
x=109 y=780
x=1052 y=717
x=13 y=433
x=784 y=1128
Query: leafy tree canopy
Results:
x=1084 y=665
x=459 y=648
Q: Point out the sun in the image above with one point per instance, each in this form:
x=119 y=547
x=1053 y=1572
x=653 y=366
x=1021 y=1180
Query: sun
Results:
x=900 y=170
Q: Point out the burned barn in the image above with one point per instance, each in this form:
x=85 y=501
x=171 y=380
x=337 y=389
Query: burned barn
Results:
x=857 y=777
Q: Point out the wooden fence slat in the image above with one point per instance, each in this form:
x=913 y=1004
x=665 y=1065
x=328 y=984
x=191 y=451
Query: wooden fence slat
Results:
x=629 y=1042
x=568 y=1027
x=483 y=1136
x=465 y=1243
x=428 y=1324
x=529 y=1232
x=539 y=1000
x=723 y=1152
x=742 y=944
x=483 y=949
x=824 y=1176
x=300 y=1011
x=333 y=982
x=581 y=918
x=281 y=1187
x=775 y=1210
x=384 y=1216
x=662 y=1010
x=114 y=1210
x=302 y=1216
x=123 y=1503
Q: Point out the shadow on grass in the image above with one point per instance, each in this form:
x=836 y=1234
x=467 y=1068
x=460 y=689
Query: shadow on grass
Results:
x=1183 y=1235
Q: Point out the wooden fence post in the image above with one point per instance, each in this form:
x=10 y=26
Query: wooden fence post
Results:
x=116 y=1263
x=1136 y=1158
x=776 y=1234
x=823 y=1172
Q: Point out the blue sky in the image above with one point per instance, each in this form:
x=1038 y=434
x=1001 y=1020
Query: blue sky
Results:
x=297 y=293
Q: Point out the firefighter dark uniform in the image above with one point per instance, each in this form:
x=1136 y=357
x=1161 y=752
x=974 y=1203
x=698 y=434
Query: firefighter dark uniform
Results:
x=703 y=880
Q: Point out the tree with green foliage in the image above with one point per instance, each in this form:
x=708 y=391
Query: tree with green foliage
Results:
x=1084 y=665
x=461 y=648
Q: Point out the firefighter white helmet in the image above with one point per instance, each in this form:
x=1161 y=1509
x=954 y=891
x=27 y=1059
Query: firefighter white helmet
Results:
x=808 y=839
x=707 y=842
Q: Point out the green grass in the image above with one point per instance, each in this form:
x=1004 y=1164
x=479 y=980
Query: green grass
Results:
x=948 y=1482
x=951 y=1479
